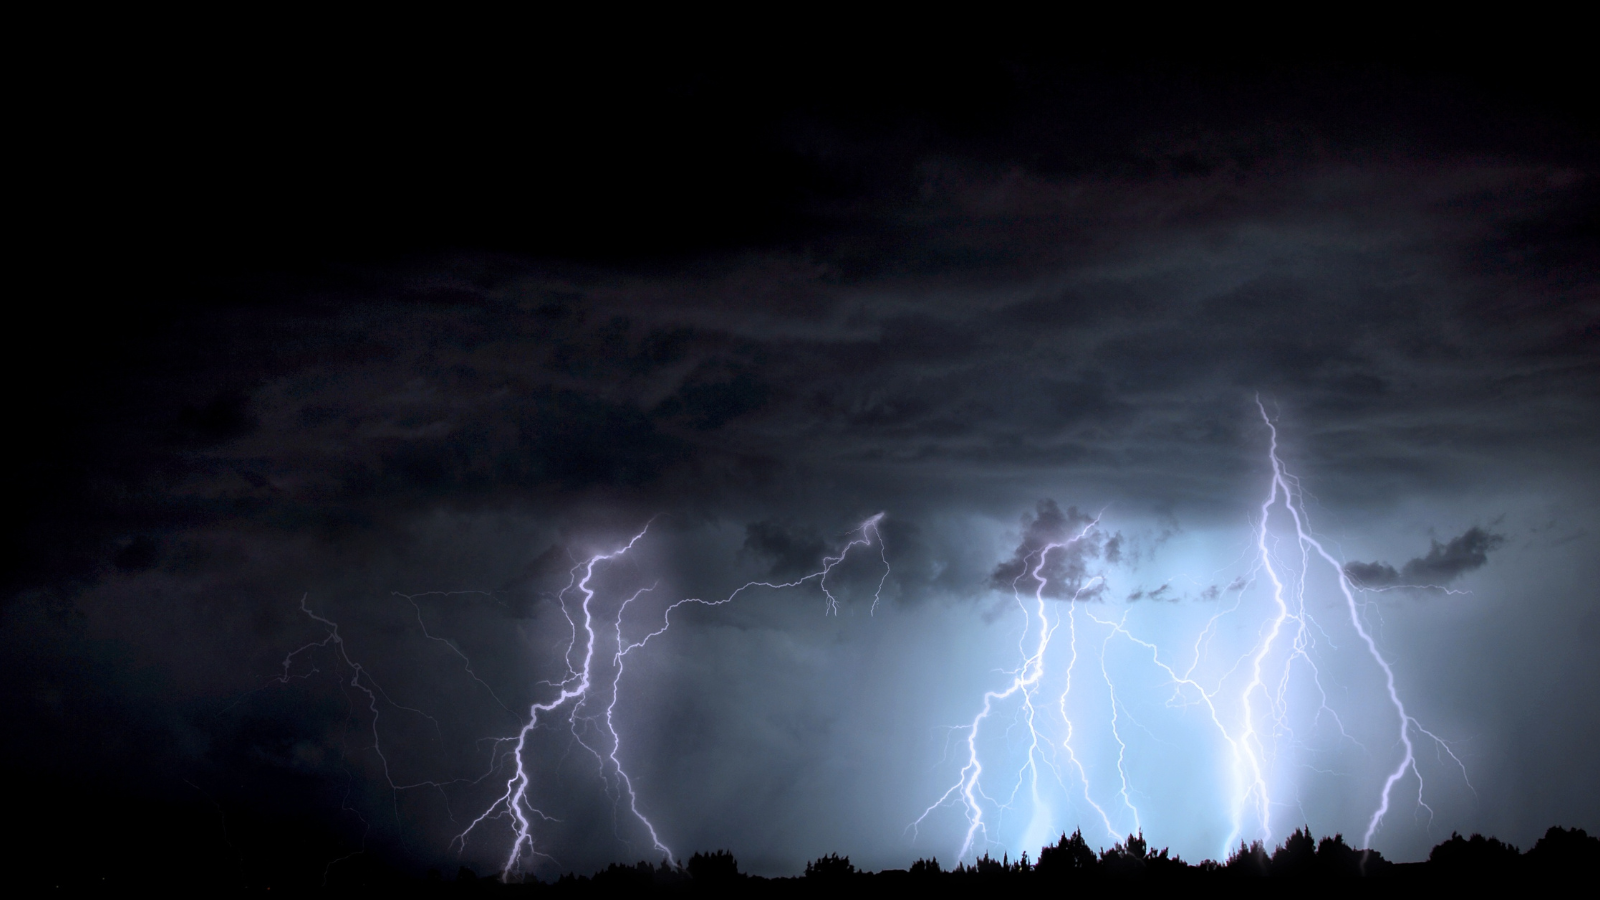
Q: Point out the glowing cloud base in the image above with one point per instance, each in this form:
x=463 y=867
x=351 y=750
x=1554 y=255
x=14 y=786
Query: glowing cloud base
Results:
x=1263 y=698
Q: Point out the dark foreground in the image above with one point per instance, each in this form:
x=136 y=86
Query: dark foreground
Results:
x=1302 y=864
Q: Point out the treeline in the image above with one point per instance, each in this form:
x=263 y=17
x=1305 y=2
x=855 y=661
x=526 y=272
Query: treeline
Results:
x=1301 y=863
x=1561 y=854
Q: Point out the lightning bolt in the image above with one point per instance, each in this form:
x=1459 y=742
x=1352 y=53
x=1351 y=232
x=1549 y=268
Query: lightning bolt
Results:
x=616 y=740
x=1248 y=701
x=1066 y=741
x=1024 y=683
x=1116 y=734
x=466 y=664
x=576 y=691
x=1405 y=723
x=362 y=680
x=1179 y=681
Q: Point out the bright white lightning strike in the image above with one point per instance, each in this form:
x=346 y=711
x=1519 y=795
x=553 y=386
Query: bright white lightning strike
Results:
x=1246 y=695
x=576 y=692
x=1024 y=683
x=1404 y=721
x=1246 y=699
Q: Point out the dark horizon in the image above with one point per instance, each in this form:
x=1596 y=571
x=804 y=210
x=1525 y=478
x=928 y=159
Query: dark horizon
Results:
x=1559 y=855
x=1193 y=443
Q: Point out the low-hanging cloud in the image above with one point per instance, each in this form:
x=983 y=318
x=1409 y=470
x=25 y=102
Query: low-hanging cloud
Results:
x=1065 y=568
x=1444 y=563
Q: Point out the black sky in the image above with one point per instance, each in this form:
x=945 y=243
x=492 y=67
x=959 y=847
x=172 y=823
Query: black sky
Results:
x=343 y=319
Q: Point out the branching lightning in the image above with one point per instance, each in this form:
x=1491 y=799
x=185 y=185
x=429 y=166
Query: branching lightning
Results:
x=361 y=680
x=586 y=696
x=1250 y=675
x=1405 y=723
x=575 y=693
x=1246 y=695
x=1024 y=684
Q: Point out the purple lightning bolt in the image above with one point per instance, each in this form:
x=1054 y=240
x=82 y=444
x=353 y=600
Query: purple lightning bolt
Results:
x=576 y=691
x=1408 y=763
x=575 y=687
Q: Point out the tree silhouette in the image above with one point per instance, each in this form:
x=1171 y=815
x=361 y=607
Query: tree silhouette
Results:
x=1560 y=857
x=1336 y=859
x=620 y=878
x=1476 y=857
x=715 y=868
x=1248 y=862
x=830 y=868
x=1133 y=858
x=1297 y=858
x=1069 y=858
x=1565 y=852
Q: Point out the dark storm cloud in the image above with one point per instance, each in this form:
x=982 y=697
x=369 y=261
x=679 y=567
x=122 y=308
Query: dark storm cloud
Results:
x=1058 y=547
x=1113 y=548
x=1444 y=563
x=1114 y=325
x=792 y=550
x=773 y=323
x=136 y=554
x=225 y=416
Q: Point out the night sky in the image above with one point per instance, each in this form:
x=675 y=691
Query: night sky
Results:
x=400 y=343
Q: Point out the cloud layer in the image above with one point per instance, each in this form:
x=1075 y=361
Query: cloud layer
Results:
x=762 y=318
x=1443 y=564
